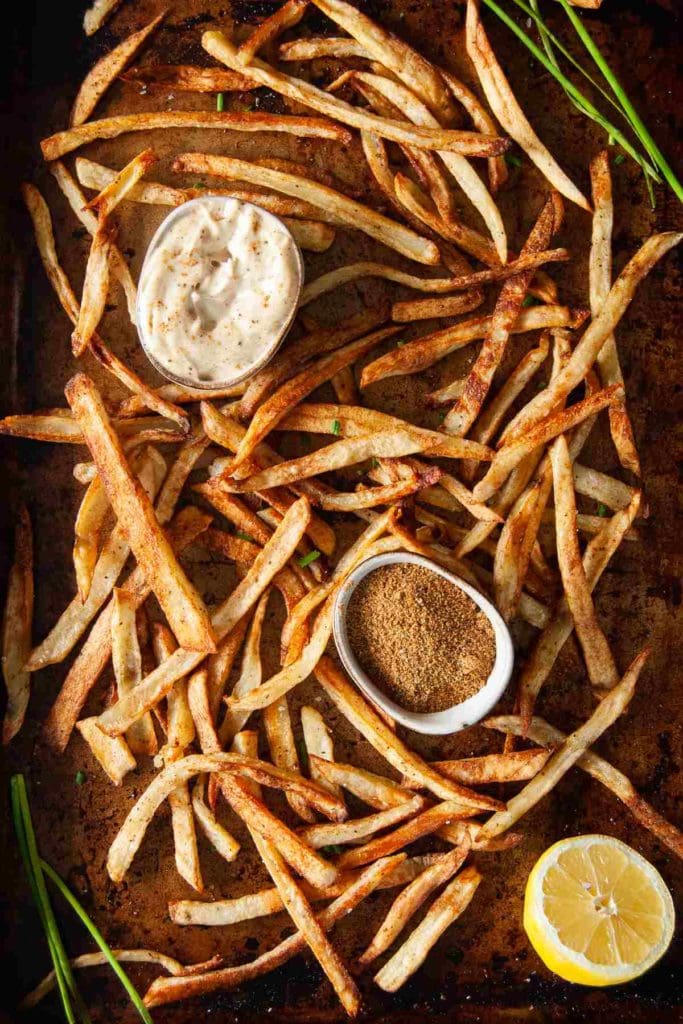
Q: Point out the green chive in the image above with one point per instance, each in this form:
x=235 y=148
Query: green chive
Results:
x=220 y=102
x=603 y=511
x=303 y=754
x=81 y=777
x=400 y=344
x=200 y=184
x=244 y=536
x=336 y=427
x=312 y=556
x=529 y=300
x=332 y=851
x=619 y=158
x=374 y=463
x=512 y=160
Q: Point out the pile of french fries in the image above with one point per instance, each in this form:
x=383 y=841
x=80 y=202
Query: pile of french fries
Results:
x=489 y=495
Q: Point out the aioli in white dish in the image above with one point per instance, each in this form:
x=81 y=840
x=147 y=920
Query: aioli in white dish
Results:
x=218 y=289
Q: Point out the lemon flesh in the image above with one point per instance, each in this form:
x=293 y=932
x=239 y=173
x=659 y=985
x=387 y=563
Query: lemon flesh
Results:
x=597 y=912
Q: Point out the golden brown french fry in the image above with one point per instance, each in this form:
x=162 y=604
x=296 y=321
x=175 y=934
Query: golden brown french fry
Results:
x=312 y=235
x=322 y=46
x=388 y=494
x=97 y=13
x=356 y=709
x=468 y=143
x=94 y=654
x=319 y=746
x=353 y=830
x=127 y=663
x=185 y=837
x=107 y=70
x=16 y=628
x=599 y=330
x=576 y=744
x=95 y=291
x=492 y=416
x=88 y=528
x=56 y=146
x=287 y=16
x=541 y=731
x=352 y=213
x=410 y=899
x=198 y=700
x=507 y=110
x=365 y=883
x=180 y=731
x=187 y=78
x=372 y=789
x=600 y=282
x=181 y=603
x=58 y=426
x=423 y=352
x=267 y=564
x=106 y=201
x=280 y=735
x=444 y=910
x=514 y=451
x=251 y=672
x=342 y=275
x=602 y=670
x=73 y=622
x=506 y=312
x=410 y=310
x=344 y=386
x=482 y=121
x=222 y=841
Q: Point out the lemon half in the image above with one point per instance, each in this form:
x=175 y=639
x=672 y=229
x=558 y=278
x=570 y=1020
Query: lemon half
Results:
x=597 y=912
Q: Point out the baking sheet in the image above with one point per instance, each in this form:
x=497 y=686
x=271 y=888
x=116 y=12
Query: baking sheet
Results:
x=483 y=968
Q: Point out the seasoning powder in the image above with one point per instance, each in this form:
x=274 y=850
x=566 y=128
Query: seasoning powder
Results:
x=418 y=637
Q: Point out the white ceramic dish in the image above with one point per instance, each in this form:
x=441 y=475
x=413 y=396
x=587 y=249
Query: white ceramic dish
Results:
x=438 y=723
x=275 y=342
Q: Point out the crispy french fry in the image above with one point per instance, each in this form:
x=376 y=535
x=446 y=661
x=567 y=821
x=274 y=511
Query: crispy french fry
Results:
x=106 y=71
x=410 y=310
x=410 y=899
x=222 y=841
x=58 y=426
x=594 y=337
x=366 y=882
x=17 y=625
x=493 y=414
x=513 y=766
x=600 y=282
x=73 y=622
x=507 y=110
x=287 y=16
x=182 y=604
x=267 y=564
x=388 y=494
x=321 y=46
x=97 y=13
x=468 y=143
x=482 y=121
x=312 y=235
x=90 y=519
x=372 y=789
x=352 y=213
x=423 y=352
x=602 y=670
x=278 y=727
x=540 y=731
x=95 y=291
x=606 y=713
x=127 y=664
x=198 y=700
x=319 y=745
x=56 y=146
x=342 y=275
x=351 y=831
x=185 y=837
x=187 y=78
x=251 y=671
x=180 y=731
x=106 y=201
x=444 y=910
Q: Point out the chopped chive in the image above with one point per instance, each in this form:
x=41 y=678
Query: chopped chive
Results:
x=332 y=851
x=529 y=300
x=400 y=344
x=244 y=536
x=603 y=511
x=312 y=556
x=200 y=184
x=512 y=160
x=442 y=415
x=619 y=158
x=336 y=427
x=81 y=777
x=374 y=463
x=220 y=102
x=303 y=754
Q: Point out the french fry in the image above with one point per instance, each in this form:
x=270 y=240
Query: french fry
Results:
x=602 y=488
x=490 y=419
x=514 y=451
x=606 y=713
x=599 y=330
x=342 y=275
x=180 y=731
x=366 y=882
x=370 y=497
x=127 y=664
x=251 y=671
x=600 y=282
x=321 y=46
x=344 y=386
x=267 y=564
x=372 y=789
x=410 y=899
x=106 y=201
x=507 y=110
x=352 y=213
x=94 y=654
x=97 y=13
x=107 y=70
x=410 y=310
x=444 y=910
x=353 y=830
x=58 y=145
x=287 y=16
x=544 y=654
x=602 y=670
x=359 y=713
x=312 y=235
x=17 y=626
x=198 y=700
x=319 y=745
x=58 y=426
x=423 y=352
x=280 y=735
x=506 y=312
x=187 y=78
x=185 y=837
x=73 y=622
x=540 y=731
x=132 y=406
x=482 y=121
x=131 y=834
x=467 y=143
x=487 y=769
x=90 y=519
x=222 y=841
x=95 y=291
x=181 y=603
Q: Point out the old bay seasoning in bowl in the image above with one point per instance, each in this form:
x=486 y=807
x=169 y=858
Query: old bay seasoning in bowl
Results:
x=218 y=290
x=421 y=643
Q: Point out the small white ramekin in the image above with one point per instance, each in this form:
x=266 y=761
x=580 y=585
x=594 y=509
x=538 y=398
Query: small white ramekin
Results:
x=437 y=723
x=273 y=344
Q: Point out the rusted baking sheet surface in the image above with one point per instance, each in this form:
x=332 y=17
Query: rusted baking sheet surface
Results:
x=483 y=968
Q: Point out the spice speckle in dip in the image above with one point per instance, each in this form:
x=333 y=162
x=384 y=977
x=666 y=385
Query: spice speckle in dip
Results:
x=418 y=637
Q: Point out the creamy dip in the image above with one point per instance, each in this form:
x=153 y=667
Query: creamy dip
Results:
x=218 y=288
